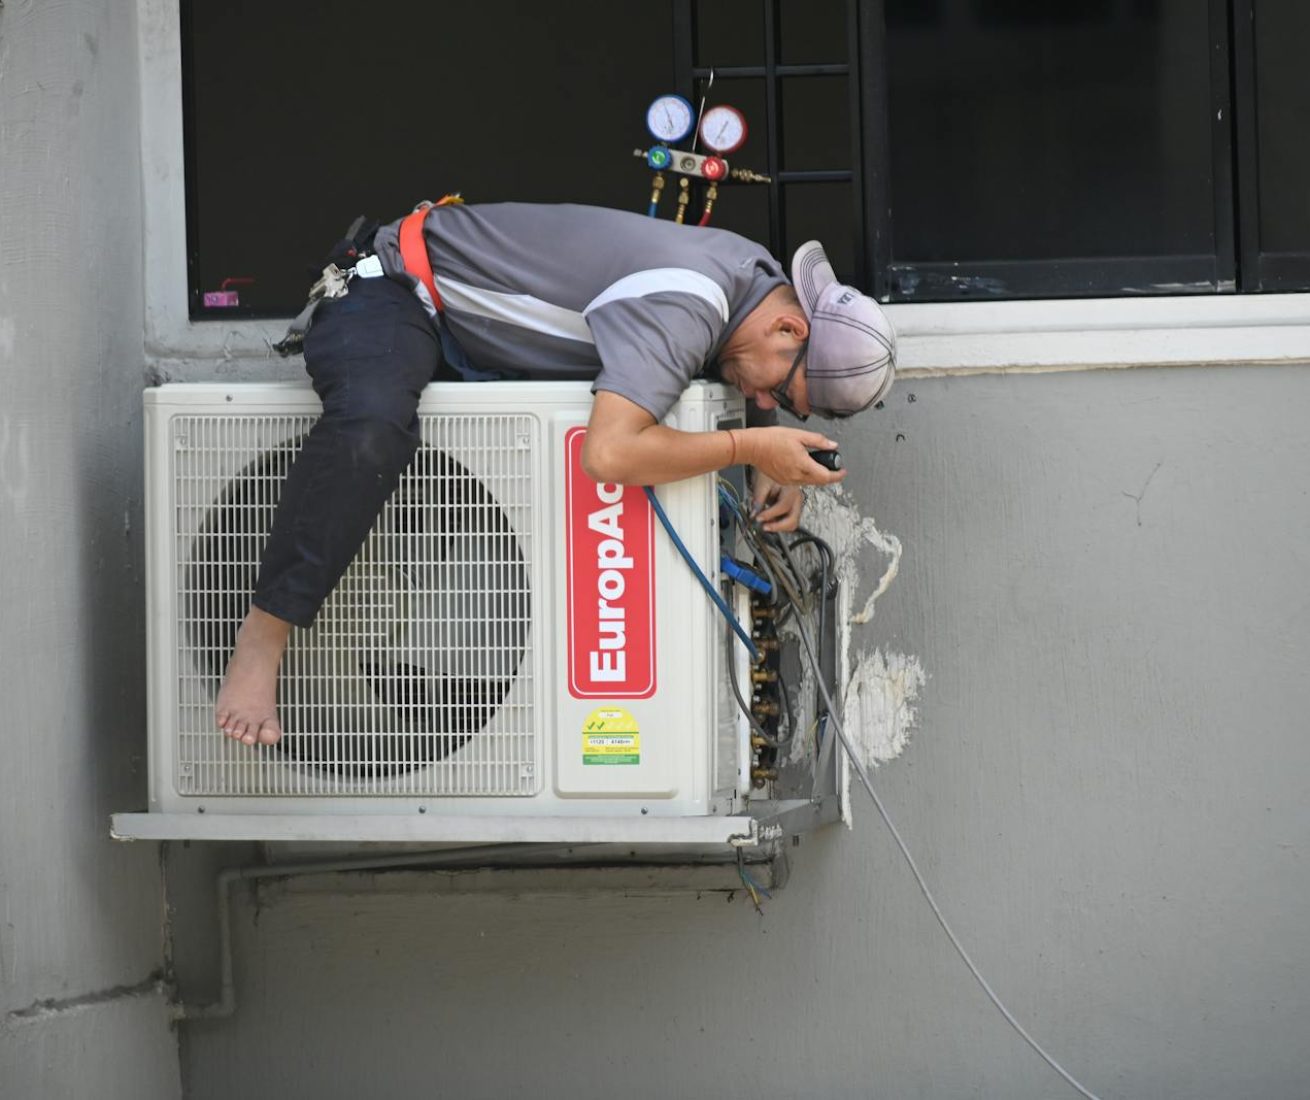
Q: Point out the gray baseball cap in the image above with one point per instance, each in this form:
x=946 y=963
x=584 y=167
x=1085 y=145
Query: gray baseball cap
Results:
x=852 y=353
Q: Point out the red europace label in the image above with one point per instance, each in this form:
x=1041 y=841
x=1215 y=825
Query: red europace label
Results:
x=610 y=568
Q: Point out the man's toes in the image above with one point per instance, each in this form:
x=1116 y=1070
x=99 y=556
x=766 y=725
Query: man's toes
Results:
x=221 y=718
x=234 y=728
x=269 y=732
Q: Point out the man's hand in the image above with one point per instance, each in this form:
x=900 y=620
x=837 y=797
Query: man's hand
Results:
x=777 y=507
x=783 y=455
x=625 y=445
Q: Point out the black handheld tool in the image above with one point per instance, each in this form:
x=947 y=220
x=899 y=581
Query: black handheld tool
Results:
x=830 y=460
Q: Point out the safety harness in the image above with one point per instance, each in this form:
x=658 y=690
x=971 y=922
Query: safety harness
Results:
x=354 y=248
x=414 y=251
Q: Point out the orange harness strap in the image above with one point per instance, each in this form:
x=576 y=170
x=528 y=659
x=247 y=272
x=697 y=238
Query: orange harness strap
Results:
x=414 y=250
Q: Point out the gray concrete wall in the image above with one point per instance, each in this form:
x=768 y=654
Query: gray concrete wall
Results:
x=81 y=945
x=1104 y=577
x=1107 y=785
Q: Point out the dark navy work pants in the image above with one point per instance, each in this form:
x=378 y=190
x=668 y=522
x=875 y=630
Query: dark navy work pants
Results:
x=369 y=355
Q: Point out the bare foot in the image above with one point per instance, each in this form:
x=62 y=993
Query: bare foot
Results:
x=246 y=709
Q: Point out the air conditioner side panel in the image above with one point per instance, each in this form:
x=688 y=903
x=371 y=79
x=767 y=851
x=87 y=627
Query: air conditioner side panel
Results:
x=161 y=618
x=635 y=742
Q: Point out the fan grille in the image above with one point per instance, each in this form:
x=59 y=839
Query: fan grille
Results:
x=417 y=677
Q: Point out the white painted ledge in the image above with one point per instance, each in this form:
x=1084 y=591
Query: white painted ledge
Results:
x=971 y=337
x=437 y=828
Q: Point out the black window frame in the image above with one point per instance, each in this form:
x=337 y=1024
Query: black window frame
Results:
x=691 y=78
x=1259 y=271
x=1237 y=264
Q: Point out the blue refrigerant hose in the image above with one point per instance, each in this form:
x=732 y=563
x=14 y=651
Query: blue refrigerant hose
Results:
x=700 y=576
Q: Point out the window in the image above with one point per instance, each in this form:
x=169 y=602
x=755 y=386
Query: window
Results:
x=1055 y=150
x=943 y=150
x=301 y=114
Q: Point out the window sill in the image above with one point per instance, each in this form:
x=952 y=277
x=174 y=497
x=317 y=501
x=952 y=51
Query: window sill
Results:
x=974 y=337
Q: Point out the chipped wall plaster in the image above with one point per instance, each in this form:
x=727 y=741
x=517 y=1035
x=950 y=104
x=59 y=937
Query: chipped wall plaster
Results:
x=879 y=686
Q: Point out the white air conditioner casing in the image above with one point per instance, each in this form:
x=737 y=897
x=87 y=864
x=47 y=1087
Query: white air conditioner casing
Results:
x=458 y=686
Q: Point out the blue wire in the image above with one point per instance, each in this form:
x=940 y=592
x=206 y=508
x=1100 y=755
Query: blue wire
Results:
x=726 y=499
x=704 y=580
x=650 y=211
x=749 y=879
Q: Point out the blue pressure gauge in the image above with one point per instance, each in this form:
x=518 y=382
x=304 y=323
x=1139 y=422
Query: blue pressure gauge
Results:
x=670 y=119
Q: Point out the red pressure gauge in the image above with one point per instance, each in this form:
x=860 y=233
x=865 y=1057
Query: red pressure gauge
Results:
x=723 y=129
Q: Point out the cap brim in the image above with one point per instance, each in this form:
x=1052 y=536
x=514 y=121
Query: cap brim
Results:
x=811 y=275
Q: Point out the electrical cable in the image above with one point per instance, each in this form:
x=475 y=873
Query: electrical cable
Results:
x=791 y=563
x=796 y=605
x=755 y=725
x=700 y=576
x=827 y=561
x=729 y=497
x=790 y=567
x=728 y=492
x=807 y=539
x=752 y=887
x=918 y=876
x=781 y=567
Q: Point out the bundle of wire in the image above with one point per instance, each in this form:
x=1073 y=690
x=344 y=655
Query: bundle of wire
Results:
x=797 y=599
x=792 y=594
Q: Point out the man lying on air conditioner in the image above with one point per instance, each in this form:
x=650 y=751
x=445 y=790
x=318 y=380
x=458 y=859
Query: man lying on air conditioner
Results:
x=636 y=305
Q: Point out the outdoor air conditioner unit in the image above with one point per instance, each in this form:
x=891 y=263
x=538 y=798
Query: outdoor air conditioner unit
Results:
x=516 y=654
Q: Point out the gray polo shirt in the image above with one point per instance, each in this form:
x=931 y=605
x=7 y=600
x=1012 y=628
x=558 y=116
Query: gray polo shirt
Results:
x=640 y=305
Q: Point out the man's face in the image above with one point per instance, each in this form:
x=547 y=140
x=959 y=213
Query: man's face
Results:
x=758 y=370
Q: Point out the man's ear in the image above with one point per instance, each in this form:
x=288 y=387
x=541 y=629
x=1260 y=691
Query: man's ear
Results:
x=792 y=323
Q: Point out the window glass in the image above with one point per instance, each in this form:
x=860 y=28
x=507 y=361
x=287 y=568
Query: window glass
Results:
x=816 y=123
x=1020 y=148
x=1023 y=130
x=728 y=32
x=813 y=32
x=333 y=110
x=1282 y=33
x=824 y=212
x=742 y=208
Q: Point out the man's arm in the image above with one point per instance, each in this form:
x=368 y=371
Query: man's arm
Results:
x=626 y=445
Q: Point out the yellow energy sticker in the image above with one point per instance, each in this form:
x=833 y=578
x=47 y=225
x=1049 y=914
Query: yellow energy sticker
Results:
x=610 y=736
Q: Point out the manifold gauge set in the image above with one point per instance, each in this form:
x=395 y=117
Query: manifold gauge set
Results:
x=721 y=130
